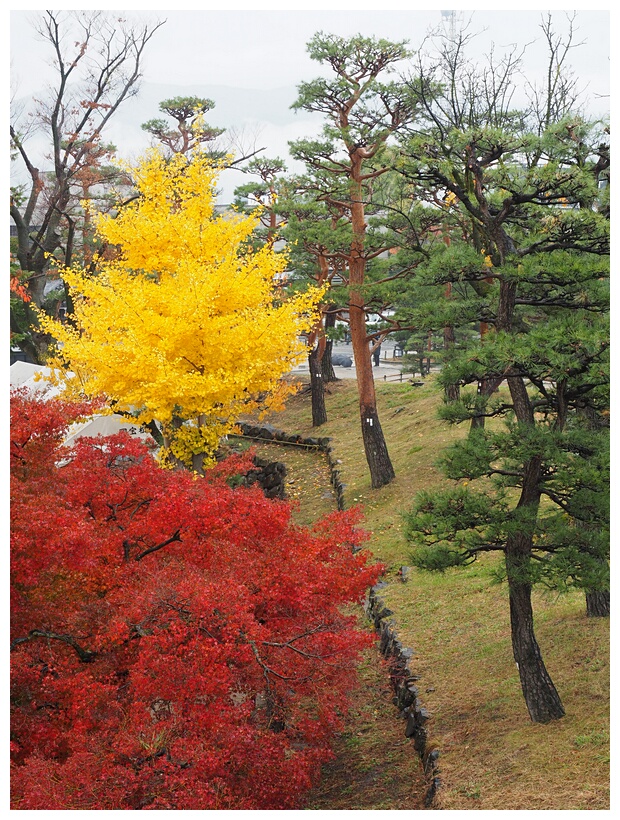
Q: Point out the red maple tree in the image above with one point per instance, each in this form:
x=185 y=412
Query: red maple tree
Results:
x=176 y=643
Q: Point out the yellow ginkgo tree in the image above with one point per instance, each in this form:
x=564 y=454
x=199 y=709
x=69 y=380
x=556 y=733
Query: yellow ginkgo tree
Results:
x=186 y=325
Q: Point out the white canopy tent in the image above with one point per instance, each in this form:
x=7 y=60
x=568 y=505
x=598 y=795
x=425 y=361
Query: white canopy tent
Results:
x=35 y=379
x=104 y=426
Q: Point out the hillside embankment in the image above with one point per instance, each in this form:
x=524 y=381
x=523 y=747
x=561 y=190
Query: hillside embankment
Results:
x=457 y=624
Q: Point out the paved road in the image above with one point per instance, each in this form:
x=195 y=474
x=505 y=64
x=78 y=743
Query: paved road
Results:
x=387 y=370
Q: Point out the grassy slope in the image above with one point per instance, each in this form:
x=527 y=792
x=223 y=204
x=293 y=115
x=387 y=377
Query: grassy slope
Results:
x=492 y=756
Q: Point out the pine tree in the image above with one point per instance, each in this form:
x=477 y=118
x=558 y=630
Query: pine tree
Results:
x=191 y=131
x=361 y=113
x=528 y=262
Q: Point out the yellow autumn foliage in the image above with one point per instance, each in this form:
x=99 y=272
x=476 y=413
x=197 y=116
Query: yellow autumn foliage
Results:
x=187 y=325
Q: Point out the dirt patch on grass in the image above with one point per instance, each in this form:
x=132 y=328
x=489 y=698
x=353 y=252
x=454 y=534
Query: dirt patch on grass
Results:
x=376 y=766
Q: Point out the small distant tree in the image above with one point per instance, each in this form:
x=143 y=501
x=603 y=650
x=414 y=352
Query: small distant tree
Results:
x=191 y=131
x=187 y=327
x=263 y=197
x=192 y=134
x=418 y=353
x=176 y=644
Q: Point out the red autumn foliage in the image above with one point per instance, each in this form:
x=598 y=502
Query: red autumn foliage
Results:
x=176 y=643
x=16 y=287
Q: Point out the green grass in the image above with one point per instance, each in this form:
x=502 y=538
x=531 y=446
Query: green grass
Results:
x=492 y=756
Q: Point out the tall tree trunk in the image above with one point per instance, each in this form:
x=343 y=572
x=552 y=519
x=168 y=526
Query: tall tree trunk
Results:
x=452 y=392
x=377 y=457
x=597 y=600
x=381 y=469
x=485 y=386
x=327 y=367
x=317 y=388
x=541 y=697
x=503 y=321
x=429 y=348
x=597 y=603
x=477 y=422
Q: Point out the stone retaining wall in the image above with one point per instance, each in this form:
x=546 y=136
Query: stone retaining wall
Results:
x=266 y=432
x=399 y=657
x=403 y=683
x=270 y=477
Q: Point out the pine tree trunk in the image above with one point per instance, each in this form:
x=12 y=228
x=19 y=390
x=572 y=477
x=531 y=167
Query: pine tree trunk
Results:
x=597 y=600
x=327 y=367
x=486 y=387
x=377 y=457
x=541 y=697
x=381 y=469
x=317 y=389
x=477 y=422
x=598 y=603
x=452 y=392
x=505 y=310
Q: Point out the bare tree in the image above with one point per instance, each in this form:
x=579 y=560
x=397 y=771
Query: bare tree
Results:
x=97 y=61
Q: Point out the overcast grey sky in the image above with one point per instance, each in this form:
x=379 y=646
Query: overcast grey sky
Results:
x=256 y=48
x=266 y=48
